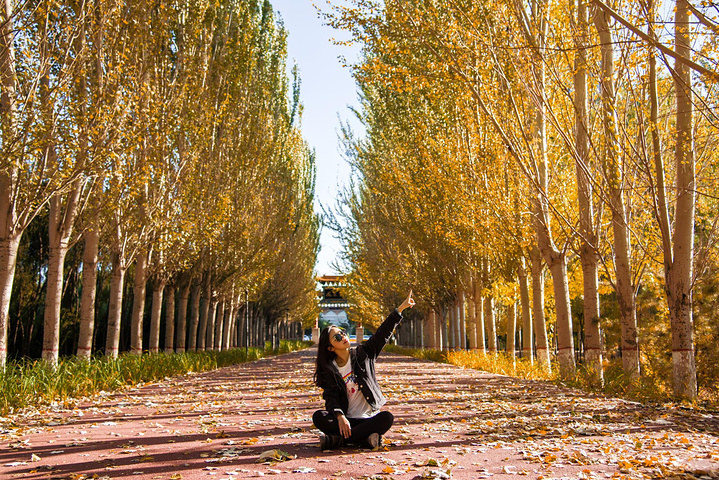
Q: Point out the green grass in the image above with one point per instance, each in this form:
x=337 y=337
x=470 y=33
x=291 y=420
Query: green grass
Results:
x=31 y=383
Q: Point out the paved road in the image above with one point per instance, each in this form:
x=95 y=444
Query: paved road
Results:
x=216 y=425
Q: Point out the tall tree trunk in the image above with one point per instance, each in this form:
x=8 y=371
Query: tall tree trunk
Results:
x=462 y=321
x=472 y=320
x=479 y=316
x=206 y=303
x=158 y=291
x=555 y=259
x=565 y=337
x=8 y=257
x=61 y=222
x=620 y=224
x=89 y=291
x=219 y=321
x=450 y=327
x=170 y=319
x=114 y=317
x=443 y=322
x=679 y=275
x=512 y=329
x=181 y=334
x=138 y=303
x=556 y=262
x=588 y=248
x=226 y=328
x=540 y=325
x=210 y=335
x=490 y=324
x=527 y=335
x=194 y=316
x=10 y=229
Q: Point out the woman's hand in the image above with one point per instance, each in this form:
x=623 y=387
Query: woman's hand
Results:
x=345 y=428
x=408 y=303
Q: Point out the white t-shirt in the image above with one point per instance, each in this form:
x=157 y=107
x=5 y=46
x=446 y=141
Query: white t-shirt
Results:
x=358 y=406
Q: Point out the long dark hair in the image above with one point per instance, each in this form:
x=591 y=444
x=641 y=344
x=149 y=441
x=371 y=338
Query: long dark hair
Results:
x=324 y=355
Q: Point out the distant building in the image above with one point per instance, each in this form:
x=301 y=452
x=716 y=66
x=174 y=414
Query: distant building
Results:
x=333 y=304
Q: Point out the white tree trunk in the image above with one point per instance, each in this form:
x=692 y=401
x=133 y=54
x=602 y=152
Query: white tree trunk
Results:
x=471 y=321
x=60 y=226
x=158 y=291
x=512 y=329
x=490 y=324
x=194 y=317
x=588 y=246
x=527 y=335
x=138 y=304
x=462 y=321
x=565 y=337
x=540 y=325
x=8 y=258
x=620 y=224
x=114 y=317
x=219 y=322
x=181 y=330
x=89 y=291
x=679 y=276
x=479 y=316
x=226 y=328
x=204 y=312
x=210 y=334
x=170 y=319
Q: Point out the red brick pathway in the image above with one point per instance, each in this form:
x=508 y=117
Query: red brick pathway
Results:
x=216 y=425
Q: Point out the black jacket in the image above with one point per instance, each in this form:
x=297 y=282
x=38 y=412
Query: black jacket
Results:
x=363 y=359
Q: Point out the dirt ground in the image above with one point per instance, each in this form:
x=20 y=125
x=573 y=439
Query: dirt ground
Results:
x=449 y=423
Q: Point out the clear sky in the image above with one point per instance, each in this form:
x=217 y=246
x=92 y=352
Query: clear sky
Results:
x=326 y=92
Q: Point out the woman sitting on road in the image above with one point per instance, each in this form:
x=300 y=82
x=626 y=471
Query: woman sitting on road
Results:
x=349 y=386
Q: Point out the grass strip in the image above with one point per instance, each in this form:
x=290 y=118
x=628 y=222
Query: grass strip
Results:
x=32 y=383
x=615 y=383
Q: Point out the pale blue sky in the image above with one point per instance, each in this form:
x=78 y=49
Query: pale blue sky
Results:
x=326 y=92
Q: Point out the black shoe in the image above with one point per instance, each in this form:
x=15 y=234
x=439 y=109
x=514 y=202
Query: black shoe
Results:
x=374 y=441
x=330 y=442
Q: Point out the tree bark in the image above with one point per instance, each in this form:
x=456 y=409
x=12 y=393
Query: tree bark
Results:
x=158 y=291
x=181 y=333
x=61 y=222
x=217 y=326
x=472 y=320
x=89 y=291
x=679 y=276
x=206 y=303
x=194 y=317
x=8 y=257
x=565 y=337
x=527 y=335
x=226 y=328
x=170 y=319
x=138 y=303
x=462 y=321
x=620 y=224
x=512 y=330
x=112 y=343
x=540 y=325
x=490 y=324
x=219 y=322
x=588 y=248
x=450 y=327
x=210 y=334
x=479 y=316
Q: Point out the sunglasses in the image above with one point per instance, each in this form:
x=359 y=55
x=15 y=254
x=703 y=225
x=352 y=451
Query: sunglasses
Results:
x=339 y=336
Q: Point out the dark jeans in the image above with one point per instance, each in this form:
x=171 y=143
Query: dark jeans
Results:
x=361 y=427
